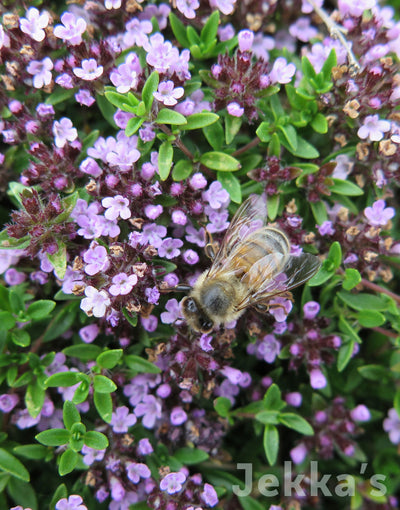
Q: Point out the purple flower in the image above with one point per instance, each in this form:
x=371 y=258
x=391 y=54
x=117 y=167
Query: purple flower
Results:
x=178 y=416
x=282 y=72
x=123 y=155
x=153 y=211
x=91 y=167
x=391 y=425
x=190 y=257
x=233 y=374
x=149 y=323
x=96 y=258
x=161 y=55
x=280 y=312
x=91 y=455
x=302 y=29
x=269 y=348
x=122 y=284
x=173 y=312
x=245 y=39
x=152 y=294
x=121 y=420
x=144 y=447
x=8 y=402
x=179 y=217
x=235 y=109
x=170 y=248
x=136 y=471
x=326 y=229
x=72 y=503
x=378 y=215
x=34 y=23
x=294 y=399
x=197 y=181
x=153 y=234
x=117 y=489
x=117 y=207
x=45 y=110
x=150 y=409
x=216 y=195
x=360 y=413
x=225 y=6
x=89 y=70
x=172 y=482
x=188 y=7
x=218 y=221
x=41 y=72
x=317 y=379
x=311 y=309
x=95 y=302
x=89 y=333
x=373 y=128
x=209 y=496
x=71 y=29
x=14 y=277
x=168 y=94
x=65 y=81
x=84 y=97
x=64 y=132
x=136 y=32
x=126 y=76
x=298 y=454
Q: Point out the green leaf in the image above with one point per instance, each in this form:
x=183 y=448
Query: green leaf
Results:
x=219 y=161
x=115 y=98
x=296 y=422
x=20 y=337
x=208 y=33
x=82 y=391
x=40 y=309
x=179 y=30
x=329 y=64
x=319 y=212
x=109 y=359
x=59 y=95
x=149 y=88
x=34 y=398
x=232 y=127
x=31 y=451
x=271 y=443
x=304 y=149
x=96 y=440
x=396 y=402
x=103 y=384
x=103 y=404
x=272 y=399
x=346 y=328
x=60 y=493
x=7 y=321
x=373 y=372
x=133 y=125
x=53 y=437
x=214 y=135
x=264 y=131
x=167 y=116
x=290 y=135
x=370 y=318
x=363 y=301
x=345 y=354
x=165 y=157
x=11 y=243
x=200 y=120
x=61 y=322
x=84 y=352
x=131 y=317
x=232 y=185
x=182 y=169
x=68 y=461
x=320 y=124
x=249 y=503
x=223 y=406
x=352 y=278
x=16 y=302
x=273 y=206
x=107 y=109
x=22 y=493
x=267 y=417
x=307 y=68
x=10 y=464
x=70 y=414
x=59 y=259
x=62 y=379
x=193 y=36
x=347 y=188
x=335 y=254
x=190 y=456
x=141 y=365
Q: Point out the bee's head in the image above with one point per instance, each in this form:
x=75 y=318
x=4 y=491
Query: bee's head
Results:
x=195 y=317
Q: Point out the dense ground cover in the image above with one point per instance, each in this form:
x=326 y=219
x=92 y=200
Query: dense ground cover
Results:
x=130 y=130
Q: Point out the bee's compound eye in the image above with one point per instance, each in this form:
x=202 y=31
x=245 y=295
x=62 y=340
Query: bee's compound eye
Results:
x=189 y=305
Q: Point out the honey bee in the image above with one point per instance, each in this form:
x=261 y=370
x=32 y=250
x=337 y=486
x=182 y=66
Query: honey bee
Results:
x=252 y=265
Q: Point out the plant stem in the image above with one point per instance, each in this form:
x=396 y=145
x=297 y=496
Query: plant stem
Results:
x=246 y=147
x=378 y=288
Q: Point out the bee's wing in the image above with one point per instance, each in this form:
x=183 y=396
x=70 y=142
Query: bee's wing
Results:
x=250 y=216
x=296 y=271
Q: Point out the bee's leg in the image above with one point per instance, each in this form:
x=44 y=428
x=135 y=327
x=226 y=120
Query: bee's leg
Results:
x=212 y=247
x=181 y=287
